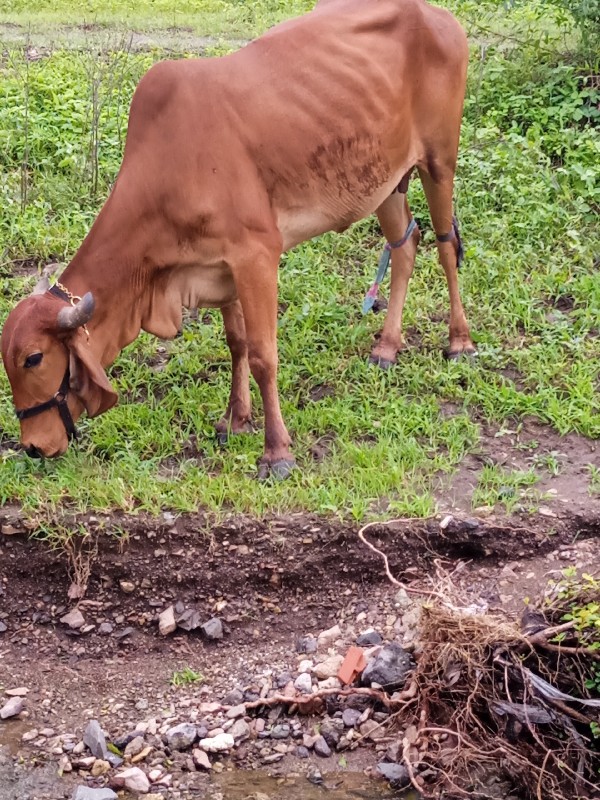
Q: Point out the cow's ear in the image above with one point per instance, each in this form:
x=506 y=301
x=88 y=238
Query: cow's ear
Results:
x=88 y=379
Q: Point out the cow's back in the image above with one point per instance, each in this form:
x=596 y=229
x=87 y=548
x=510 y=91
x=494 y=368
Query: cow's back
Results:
x=326 y=112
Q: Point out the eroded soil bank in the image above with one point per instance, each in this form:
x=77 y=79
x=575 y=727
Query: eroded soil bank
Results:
x=271 y=583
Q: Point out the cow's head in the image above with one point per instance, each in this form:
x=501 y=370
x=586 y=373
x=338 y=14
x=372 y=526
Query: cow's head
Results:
x=52 y=370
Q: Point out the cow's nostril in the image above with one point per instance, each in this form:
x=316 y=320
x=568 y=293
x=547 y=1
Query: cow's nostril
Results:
x=33 y=452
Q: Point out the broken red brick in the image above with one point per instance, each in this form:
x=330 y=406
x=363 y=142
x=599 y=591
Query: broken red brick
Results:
x=353 y=665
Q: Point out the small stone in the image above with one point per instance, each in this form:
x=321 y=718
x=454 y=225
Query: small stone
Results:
x=280 y=732
x=369 y=638
x=372 y=730
x=330 y=683
x=303 y=683
x=234 y=698
x=134 y=747
x=307 y=644
x=236 y=711
x=350 y=717
x=240 y=730
x=20 y=691
x=396 y=774
x=328 y=637
x=213 y=629
x=181 y=736
x=321 y=748
x=134 y=780
x=218 y=744
x=11 y=709
x=86 y=793
x=74 y=619
x=142 y=755
x=105 y=629
x=301 y=752
x=95 y=741
x=201 y=760
x=390 y=668
x=273 y=758
x=305 y=665
x=127 y=586
x=100 y=767
x=64 y=765
x=328 y=668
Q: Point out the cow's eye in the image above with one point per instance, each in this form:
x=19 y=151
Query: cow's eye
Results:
x=33 y=360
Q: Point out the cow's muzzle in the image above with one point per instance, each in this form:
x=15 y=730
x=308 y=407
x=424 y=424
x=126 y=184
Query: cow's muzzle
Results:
x=59 y=401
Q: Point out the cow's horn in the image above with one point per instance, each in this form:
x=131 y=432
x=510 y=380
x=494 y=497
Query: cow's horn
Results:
x=42 y=285
x=75 y=316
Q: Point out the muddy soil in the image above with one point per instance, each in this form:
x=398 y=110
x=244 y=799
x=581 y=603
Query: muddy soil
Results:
x=270 y=582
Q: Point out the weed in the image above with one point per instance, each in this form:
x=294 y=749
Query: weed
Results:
x=185 y=677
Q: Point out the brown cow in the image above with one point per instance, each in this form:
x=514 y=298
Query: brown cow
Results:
x=228 y=163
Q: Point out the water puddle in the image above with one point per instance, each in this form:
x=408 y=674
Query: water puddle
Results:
x=258 y=785
x=11 y=732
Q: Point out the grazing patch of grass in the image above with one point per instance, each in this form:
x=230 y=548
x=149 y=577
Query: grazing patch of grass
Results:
x=367 y=442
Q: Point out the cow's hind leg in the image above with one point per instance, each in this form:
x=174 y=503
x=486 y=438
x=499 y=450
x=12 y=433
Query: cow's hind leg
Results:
x=256 y=282
x=237 y=417
x=438 y=191
x=394 y=217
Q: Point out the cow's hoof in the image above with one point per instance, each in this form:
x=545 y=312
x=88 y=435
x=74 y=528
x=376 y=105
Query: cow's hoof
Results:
x=279 y=470
x=222 y=438
x=382 y=363
x=457 y=355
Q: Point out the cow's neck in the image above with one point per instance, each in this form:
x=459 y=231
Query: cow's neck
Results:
x=116 y=321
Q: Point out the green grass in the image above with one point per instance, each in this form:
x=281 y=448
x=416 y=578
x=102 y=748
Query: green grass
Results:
x=527 y=195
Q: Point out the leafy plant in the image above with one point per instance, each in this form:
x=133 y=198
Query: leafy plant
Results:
x=185 y=677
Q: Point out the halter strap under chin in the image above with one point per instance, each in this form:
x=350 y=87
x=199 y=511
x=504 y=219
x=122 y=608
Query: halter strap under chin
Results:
x=59 y=401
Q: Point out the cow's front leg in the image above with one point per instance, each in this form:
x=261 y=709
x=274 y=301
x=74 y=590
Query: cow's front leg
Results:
x=395 y=217
x=238 y=415
x=257 y=289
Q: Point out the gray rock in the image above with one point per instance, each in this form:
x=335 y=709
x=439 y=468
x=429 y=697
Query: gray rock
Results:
x=74 y=619
x=135 y=746
x=396 y=774
x=350 y=717
x=240 y=730
x=181 y=736
x=85 y=793
x=213 y=629
x=307 y=644
x=303 y=683
x=390 y=668
x=280 y=732
x=3 y=627
x=95 y=741
x=234 y=698
x=236 y=711
x=283 y=680
x=369 y=638
x=321 y=748
x=14 y=706
x=189 y=619
x=301 y=752
x=105 y=628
